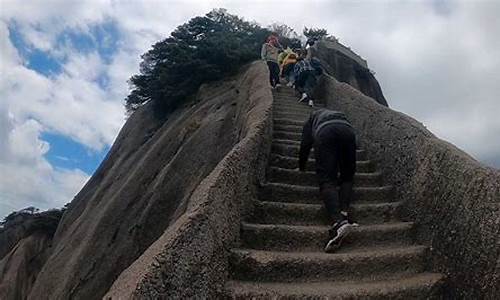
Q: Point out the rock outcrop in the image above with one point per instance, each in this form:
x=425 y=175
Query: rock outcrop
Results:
x=169 y=210
x=190 y=260
x=453 y=199
x=346 y=69
x=145 y=186
x=25 y=244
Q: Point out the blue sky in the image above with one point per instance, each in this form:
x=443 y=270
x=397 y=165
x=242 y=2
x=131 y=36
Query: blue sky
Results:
x=64 y=151
x=67 y=154
x=64 y=67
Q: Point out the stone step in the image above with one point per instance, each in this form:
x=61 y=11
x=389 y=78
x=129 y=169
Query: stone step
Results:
x=292 y=149
x=299 y=106
x=373 y=264
x=280 y=105
x=287 y=121
x=294 y=139
x=281 y=192
x=288 y=162
x=314 y=238
x=270 y=212
x=292 y=110
x=288 y=128
x=309 y=178
x=293 y=142
x=286 y=142
x=283 y=90
x=291 y=115
x=417 y=286
x=287 y=135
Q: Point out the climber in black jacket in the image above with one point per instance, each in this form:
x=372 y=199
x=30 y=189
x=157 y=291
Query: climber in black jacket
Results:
x=334 y=142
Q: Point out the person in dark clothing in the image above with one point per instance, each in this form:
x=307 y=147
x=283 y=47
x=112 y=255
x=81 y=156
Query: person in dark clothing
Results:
x=306 y=71
x=334 y=142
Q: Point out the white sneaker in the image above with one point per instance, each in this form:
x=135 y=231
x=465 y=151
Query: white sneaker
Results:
x=311 y=103
x=290 y=84
x=337 y=233
x=278 y=85
x=304 y=97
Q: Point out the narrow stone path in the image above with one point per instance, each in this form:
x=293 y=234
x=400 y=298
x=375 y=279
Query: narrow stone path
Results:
x=281 y=253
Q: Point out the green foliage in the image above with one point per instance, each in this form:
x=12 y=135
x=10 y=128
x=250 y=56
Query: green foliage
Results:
x=25 y=211
x=286 y=35
x=315 y=33
x=203 y=49
x=32 y=220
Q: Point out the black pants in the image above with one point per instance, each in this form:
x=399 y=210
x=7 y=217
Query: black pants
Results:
x=335 y=152
x=274 y=73
x=288 y=72
x=305 y=82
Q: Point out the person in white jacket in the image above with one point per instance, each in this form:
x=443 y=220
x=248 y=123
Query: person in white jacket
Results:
x=269 y=53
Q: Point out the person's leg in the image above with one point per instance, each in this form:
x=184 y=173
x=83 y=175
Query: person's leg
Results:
x=310 y=83
x=271 y=76
x=276 y=73
x=291 y=76
x=331 y=136
x=299 y=82
x=347 y=166
x=326 y=172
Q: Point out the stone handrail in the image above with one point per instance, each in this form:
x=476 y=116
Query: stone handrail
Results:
x=191 y=258
x=453 y=199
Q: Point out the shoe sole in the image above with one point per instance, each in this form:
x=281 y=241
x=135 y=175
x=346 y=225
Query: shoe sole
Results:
x=338 y=239
x=330 y=249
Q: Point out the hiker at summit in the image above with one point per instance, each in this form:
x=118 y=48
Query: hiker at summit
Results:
x=269 y=53
x=305 y=78
x=334 y=142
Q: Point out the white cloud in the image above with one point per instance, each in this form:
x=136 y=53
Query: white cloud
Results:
x=26 y=178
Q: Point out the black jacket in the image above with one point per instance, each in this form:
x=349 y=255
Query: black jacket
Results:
x=317 y=121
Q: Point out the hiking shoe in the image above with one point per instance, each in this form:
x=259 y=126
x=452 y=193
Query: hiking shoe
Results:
x=303 y=98
x=337 y=233
x=311 y=103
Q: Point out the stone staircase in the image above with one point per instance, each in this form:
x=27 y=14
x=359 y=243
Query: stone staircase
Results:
x=281 y=252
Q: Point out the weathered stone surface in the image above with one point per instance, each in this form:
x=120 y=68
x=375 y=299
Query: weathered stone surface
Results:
x=154 y=178
x=25 y=245
x=19 y=268
x=26 y=224
x=347 y=70
x=190 y=259
x=454 y=200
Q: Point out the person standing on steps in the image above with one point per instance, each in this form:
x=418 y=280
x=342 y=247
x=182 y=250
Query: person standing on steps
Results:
x=269 y=53
x=287 y=68
x=306 y=78
x=334 y=142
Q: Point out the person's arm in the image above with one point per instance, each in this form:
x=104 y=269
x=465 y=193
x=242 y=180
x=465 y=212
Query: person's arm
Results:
x=306 y=144
x=263 y=52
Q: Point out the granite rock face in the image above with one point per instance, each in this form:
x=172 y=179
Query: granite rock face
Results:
x=454 y=199
x=25 y=245
x=345 y=69
x=190 y=259
x=146 y=186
